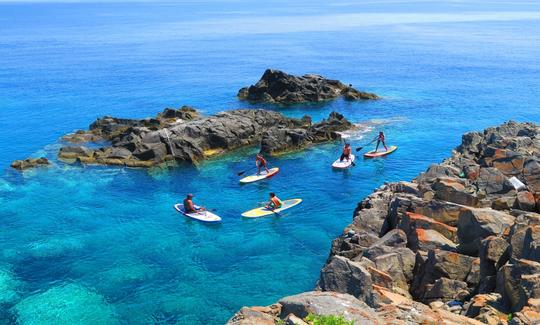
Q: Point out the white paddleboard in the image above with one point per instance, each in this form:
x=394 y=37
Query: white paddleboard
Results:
x=261 y=212
x=262 y=175
x=345 y=163
x=204 y=216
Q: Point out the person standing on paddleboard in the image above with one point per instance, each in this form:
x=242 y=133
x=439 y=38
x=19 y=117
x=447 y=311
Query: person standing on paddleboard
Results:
x=189 y=207
x=380 y=138
x=261 y=162
x=274 y=203
x=346 y=152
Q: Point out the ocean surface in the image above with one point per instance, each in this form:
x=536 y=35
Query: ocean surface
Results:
x=103 y=245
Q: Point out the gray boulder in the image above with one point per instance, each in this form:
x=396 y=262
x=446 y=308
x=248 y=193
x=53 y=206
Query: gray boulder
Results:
x=329 y=303
x=345 y=276
x=477 y=224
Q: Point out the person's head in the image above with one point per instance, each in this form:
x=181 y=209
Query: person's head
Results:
x=381 y=133
x=190 y=196
x=272 y=194
x=259 y=155
x=347 y=145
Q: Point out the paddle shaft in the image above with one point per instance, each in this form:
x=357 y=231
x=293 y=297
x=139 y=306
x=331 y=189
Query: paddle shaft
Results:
x=247 y=170
x=360 y=148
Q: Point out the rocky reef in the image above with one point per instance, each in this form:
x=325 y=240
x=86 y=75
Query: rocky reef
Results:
x=457 y=245
x=30 y=163
x=279 y=87
x=185 y=135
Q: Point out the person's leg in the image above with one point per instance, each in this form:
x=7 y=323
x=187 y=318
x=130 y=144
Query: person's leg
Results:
x=342 y=157
x=385 y=148
x=266 y=168
x=377 y=147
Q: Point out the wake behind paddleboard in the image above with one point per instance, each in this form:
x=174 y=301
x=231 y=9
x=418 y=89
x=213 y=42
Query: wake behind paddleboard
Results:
x=345 y=163
x=375 y=154
x=261 y=212
x=204 y=216
x=262 y=175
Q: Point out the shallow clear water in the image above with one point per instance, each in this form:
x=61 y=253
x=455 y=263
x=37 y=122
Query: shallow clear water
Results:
x=108 y=240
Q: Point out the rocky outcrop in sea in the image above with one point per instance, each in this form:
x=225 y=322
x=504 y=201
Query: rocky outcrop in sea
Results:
x=279 y=87
x=30 y=163
x=460 y=244
x=185 y=135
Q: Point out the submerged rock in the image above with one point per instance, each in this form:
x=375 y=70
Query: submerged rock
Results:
x=183 y=135
x=279 y=87
x=464 y=237
x=9 y=286
x=65 y=304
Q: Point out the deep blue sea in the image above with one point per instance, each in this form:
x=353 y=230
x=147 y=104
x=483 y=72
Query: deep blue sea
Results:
x=100 y=245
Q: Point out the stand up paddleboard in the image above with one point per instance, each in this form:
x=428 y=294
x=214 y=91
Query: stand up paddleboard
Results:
x=262 y=175
x=261 y=212
x=345 y=163
x=204 y=216
x=375 y=154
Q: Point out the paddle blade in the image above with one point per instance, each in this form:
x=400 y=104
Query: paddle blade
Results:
x=359 y=148
x=241 y=173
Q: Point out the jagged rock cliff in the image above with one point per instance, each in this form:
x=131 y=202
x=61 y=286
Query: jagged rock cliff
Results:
x=279 y=87
x=184 y=135
x=457 y=245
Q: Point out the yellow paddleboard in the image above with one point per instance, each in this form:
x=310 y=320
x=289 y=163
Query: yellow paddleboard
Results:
x=261 y=212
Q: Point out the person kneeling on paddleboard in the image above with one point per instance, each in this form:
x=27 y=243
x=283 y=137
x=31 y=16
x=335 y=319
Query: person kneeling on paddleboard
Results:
x=380 y=138
x=346 y=152
x=261 y=162
x=189 y=207
x=275 y=202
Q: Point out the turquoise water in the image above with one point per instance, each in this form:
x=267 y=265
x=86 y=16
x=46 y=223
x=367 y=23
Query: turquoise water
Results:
x=108 y=241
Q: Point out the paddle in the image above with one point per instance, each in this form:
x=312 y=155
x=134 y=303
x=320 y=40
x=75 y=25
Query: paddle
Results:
x=264 y=204
x=245 y=171
x=360 y=148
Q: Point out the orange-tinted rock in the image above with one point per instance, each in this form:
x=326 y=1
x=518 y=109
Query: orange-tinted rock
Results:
x=427 y=239
x=380 y=278
x=526 y=201
x=416 y=220
x=510 y=166
x=453 y=190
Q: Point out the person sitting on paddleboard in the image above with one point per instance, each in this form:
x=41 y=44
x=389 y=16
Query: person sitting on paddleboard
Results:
x=346 y=152
x=261 y=162
x=189 y=207
x=380 y=138
x=275 y=202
